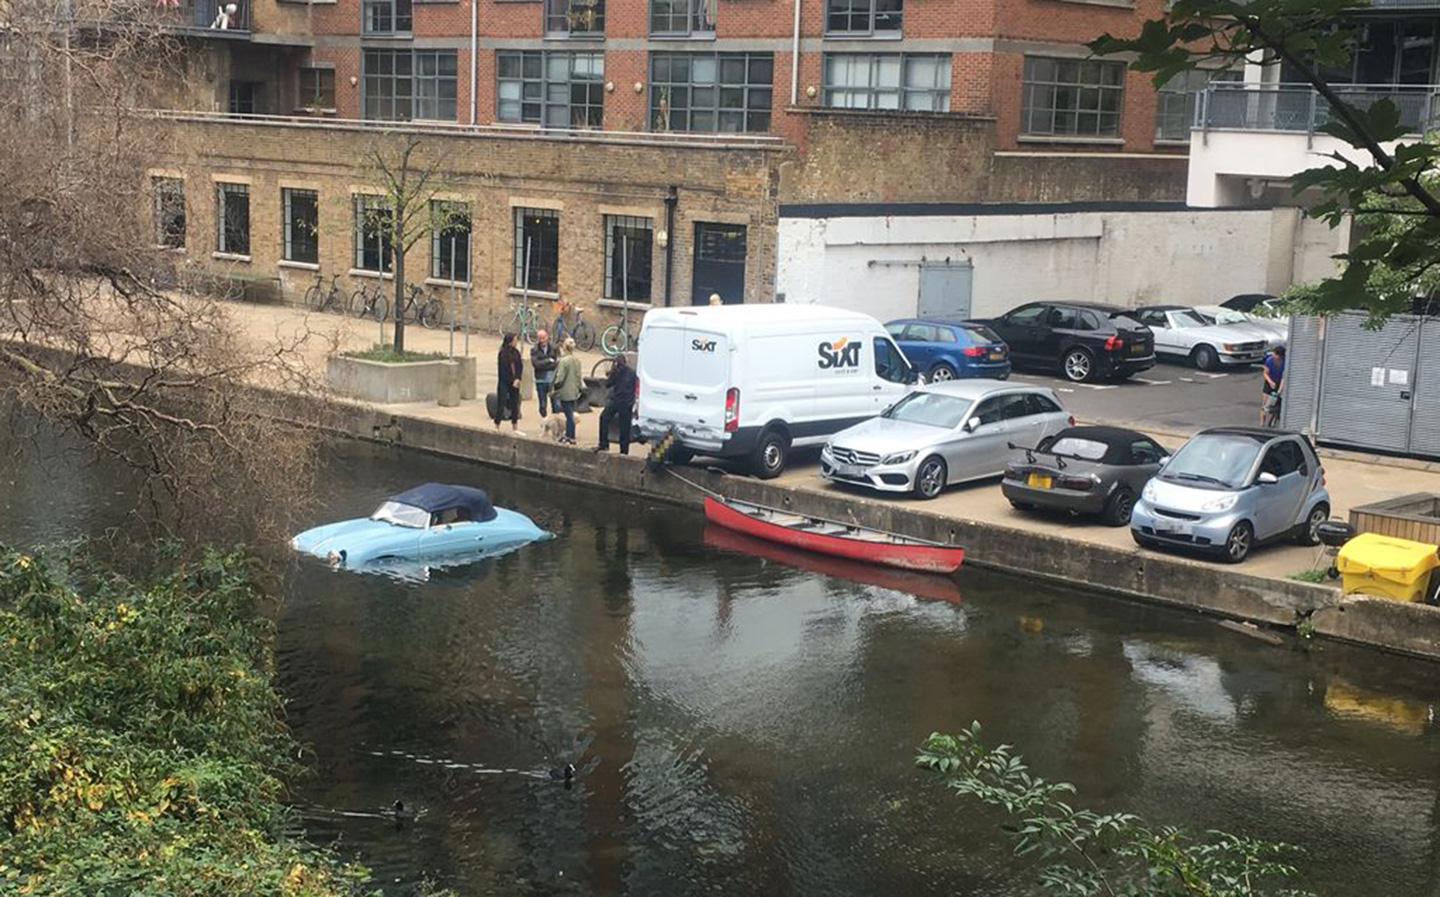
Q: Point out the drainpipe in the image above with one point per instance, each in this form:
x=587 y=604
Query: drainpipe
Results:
x=474 y=48
x=672 y=197
x=795 y=59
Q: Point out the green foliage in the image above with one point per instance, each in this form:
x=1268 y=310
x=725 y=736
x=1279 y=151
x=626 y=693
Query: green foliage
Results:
x=387 y=354
x=1308 y=576
x=1089 y=853
x=141 y=749
x=1393 y=192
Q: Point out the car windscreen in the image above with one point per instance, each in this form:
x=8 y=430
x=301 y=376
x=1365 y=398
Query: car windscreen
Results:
x=1218 y=459
x=1229 y=316
x=402 y=515
x=1189 y=319
x=982 y=334
x=1075 y=447
x=929 y=408
x=1123 y=319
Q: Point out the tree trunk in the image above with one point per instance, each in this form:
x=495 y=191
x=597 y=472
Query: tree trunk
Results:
x=399 y=255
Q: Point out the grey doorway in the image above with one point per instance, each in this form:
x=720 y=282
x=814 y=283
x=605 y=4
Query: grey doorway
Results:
x=945 y=289
x=719 y=263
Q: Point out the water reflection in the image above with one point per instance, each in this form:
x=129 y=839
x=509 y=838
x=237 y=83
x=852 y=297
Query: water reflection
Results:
x=743 y=721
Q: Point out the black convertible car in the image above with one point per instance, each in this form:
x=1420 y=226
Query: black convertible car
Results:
x=1084 y=470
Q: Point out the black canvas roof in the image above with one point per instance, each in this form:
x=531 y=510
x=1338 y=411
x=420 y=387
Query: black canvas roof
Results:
x=437 y=497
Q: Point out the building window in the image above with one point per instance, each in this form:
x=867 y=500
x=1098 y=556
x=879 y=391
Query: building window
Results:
x=1071 y=97
x=387 y=16
x=682 y=18
x=887 y=81
x=244 y=97
x=169 y=212
x=555 y=89
x=301 y=224
x=710 y=92
x=450 y=241
x=317 y=89
x=1175 y=102
x=627 y=257
x=577 y=18
x=232 y=219
x=537 y=250
x=401 y=85
x=374 y=220
x=863 y=17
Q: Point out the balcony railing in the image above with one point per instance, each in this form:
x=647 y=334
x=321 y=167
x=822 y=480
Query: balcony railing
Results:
x=1298 y=108
x=204 y=15
x=1405 y=4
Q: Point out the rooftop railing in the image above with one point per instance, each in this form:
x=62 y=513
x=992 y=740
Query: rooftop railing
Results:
x=1299 y=108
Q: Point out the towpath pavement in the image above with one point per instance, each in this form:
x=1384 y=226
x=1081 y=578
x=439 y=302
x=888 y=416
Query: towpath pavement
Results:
x=1352 y=479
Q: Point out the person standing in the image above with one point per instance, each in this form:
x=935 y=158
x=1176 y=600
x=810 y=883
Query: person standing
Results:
x=619 y=404
x=543 y=359
x=509 y=369
x=566 y=388
x=1272 y=387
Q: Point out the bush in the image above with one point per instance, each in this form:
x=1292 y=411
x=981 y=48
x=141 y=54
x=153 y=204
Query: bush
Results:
x=387 y=354
x=141 y=749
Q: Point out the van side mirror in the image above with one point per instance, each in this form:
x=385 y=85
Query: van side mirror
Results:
x=971 y=424
x=1267 y=479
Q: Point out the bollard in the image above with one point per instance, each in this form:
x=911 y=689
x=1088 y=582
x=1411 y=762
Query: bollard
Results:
x=527 y=380
x=468 y=389
x=449 y=391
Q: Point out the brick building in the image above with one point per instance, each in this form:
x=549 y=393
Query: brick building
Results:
x=656 y=136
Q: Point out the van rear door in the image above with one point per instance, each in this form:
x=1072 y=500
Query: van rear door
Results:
x=683 y=377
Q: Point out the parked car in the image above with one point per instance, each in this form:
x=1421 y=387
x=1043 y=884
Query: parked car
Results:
x=947 y=350
x=941 y=434
x=1248 y=302
x=1232 y=488
x=1180 y=332
x=1097 y=471
x=1086 y=341
x=1275 y=331
x=751 y=381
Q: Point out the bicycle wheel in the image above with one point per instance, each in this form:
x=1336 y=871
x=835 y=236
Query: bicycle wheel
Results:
x=584 y=336
x=614 y=340
x=558 y=331
x=360 y=302
x=312 y=296
x=604 y=363
x=381 y=309
x=429 y=313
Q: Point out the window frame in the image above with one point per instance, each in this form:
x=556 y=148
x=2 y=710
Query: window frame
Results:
x=163 y=188
x=225 y=191
x=697 y=15
x=613 y=277
x=413 y=91
x=1034 y=85
x=373 y=208
x=544 y=253
x=592 y=82
x=371 y=9
x=874 y=92
x=871 y=16
x=445 y=215
x=559 y=18
x=288 y=241
x=303 y=95
x=751 y=117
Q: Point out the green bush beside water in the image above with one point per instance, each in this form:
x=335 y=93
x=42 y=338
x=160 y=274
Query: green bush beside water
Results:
x=387 y=354
x=141 y=748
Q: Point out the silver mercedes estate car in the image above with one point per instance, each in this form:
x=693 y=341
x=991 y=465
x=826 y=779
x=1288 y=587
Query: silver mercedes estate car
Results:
x=944 y=433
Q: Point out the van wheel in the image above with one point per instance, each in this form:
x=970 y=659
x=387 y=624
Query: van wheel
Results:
x=1205 y=358
x=930 y=478
x=771 y=453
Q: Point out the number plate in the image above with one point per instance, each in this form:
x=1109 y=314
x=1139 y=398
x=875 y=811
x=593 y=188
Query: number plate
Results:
x=1137 y=348
x=848 y=470
x=1038 y=481
x=997 y=355
x=1175 y=527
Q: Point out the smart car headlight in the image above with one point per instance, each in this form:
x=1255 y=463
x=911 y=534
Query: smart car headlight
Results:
x=1220 y=503
x=1148 y=493
x=898 y=458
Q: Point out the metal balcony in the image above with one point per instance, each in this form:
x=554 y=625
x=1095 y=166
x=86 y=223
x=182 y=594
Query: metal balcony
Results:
x=202 y=17
x=1298 y=108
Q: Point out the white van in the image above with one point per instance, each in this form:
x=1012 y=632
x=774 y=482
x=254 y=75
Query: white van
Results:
x=750 y=381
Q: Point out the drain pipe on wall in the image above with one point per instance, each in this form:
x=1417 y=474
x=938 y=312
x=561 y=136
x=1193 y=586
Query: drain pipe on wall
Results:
x=474 y=49
x=795 y=59
x=672 y=197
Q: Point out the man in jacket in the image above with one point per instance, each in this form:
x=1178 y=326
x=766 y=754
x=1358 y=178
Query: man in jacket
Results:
x=618 y=405
x=543 y=359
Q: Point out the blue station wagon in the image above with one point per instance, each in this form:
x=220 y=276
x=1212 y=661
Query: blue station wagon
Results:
x=944 y=349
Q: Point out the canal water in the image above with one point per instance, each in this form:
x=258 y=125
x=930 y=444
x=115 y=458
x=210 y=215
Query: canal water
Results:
x=744 y=721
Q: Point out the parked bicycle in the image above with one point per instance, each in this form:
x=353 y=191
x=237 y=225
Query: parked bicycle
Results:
x=577 y=328
x=425 y=307
x=524 y=322
x=618 y=338
x=369 y=302
x=320 y=299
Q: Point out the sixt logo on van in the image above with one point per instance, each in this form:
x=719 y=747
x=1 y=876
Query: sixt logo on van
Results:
x=842 y=353
x=703 y=345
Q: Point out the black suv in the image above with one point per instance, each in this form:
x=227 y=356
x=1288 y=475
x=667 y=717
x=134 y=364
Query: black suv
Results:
x=1086 y=341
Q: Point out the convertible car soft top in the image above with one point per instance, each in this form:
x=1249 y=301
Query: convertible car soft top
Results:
x=437 y=497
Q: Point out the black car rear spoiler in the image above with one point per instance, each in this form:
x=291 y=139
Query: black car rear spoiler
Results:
x=1030 y=454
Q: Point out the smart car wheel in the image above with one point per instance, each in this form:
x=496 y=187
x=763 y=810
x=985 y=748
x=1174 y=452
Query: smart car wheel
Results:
x=1078 y=366
x=1118 y=508
x=930 y=478
x=1308 y=532
x=771 y=453
x=1205 y=358
x=1239 y=542
x=941 y=372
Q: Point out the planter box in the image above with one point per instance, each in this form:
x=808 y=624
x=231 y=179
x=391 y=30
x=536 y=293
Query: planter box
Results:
x=385 y=383
x=1415 y=517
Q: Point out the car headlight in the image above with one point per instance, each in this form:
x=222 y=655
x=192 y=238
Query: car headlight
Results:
x=898 y=458
x=825 y=449
x=1228 y=347
x=1148 y=493
x=1223 y=503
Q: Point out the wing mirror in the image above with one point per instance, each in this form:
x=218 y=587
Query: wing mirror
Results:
x=971 y=424
x=1164 y=459
x=1267 y=479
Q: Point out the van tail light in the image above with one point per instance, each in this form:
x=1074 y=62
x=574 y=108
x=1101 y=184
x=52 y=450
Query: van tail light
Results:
x=732 y=409
x=973 y=351
x=1114 y=343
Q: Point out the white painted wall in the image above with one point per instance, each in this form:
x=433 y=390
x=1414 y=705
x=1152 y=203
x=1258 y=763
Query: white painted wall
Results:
x=1127 y=258
x=1223 y=163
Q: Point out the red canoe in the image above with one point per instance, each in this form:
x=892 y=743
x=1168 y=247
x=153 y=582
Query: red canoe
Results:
x=839 y=539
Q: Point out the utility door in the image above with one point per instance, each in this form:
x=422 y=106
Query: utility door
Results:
x=719 y=263
x=1368 y=382
x=945 y=289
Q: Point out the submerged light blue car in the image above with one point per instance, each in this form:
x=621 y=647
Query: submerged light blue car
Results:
x=429 y=522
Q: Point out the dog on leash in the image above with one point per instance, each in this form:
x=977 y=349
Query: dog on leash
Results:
x=554 y=428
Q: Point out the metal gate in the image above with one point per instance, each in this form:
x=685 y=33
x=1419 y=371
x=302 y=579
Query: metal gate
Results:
x=945 y=289
x=1374 y=389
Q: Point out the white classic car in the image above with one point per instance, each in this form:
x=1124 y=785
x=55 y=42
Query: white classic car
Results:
x=1275 y=330
x=1181 y=332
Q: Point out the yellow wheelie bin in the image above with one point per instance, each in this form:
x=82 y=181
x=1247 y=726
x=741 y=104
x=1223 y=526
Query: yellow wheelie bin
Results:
x=1386 y=567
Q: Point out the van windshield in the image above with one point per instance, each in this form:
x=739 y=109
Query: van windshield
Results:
x=929 y=408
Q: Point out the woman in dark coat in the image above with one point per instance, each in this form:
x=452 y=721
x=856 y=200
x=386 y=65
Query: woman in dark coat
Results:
x=507 y=384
